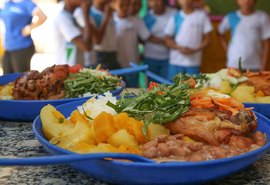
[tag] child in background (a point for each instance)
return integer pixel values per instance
(250, 33)
(104, 35)
(128, 30)
(68, 35)
(135, 7)
(187, 34)
(156, 53)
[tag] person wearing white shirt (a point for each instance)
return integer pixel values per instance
(128, 30)
(187, 33)
(104, 36)
(250, 34)
(68, 35)
(156, 52)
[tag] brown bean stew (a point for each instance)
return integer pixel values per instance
(206, 134)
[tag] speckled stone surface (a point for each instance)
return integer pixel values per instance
(18, 140)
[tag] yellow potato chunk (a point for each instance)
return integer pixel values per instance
(54, 124)
(122, 137)
(103, 127)
(155, 130)
(84, 148)
(225, 87)
(129, 150)
(134, 127)
(244, 93)
(82, 132)
(265, 99)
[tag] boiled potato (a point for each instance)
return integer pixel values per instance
(103, 127)
(122, 137)
(81, 148)
(155, 130)
(54, 124)
(265, 99)
(84, 148)
(77, 116)
(82, 132)
(244, 93)
(225, 87)
(129, 150)
(134, 127)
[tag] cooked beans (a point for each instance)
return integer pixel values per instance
(175, 147)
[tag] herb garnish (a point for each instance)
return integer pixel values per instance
(83, 82)
(155, 107)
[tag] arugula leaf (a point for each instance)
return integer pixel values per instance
(83, 82)
(155, 107)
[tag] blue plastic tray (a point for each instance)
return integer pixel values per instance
(154, 173)
(28, 110)
(262, 108)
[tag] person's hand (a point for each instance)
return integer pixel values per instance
(26, 31)
(186, 50)
(109, 9)
(85, 4)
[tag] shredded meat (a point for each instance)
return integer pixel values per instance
(211, 126)
(259, 80)
(46, 85)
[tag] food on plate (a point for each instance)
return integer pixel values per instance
(58, 82)
(165, 123)
(6, 91)
(250, 87)
(47, 85)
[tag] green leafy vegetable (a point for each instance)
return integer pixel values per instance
(200, 79)
(160, 105)
(83, 82)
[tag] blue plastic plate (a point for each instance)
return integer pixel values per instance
(262, 108)
(28, 110)
(153, 173)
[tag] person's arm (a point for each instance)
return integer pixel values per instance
(157, 40)
(266, 52)
(265, 37)
(172, 45)
(41, 18)
(100, 32)
(222, 29)
(223, 41)
(84, 42)
(205, 42)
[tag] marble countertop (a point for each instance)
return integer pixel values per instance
(18, 140)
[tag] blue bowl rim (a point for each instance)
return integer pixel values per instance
(260, 150)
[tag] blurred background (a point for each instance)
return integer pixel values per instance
(214, 56)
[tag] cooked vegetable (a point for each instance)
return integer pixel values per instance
(103, 127)
(52, 126)
(155, 130)
(156, 107)
(122, 137)
(87, 80)
(244, 93)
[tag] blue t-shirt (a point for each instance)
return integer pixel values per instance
(16, 15)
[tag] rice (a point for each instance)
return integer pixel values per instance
(95, 105)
